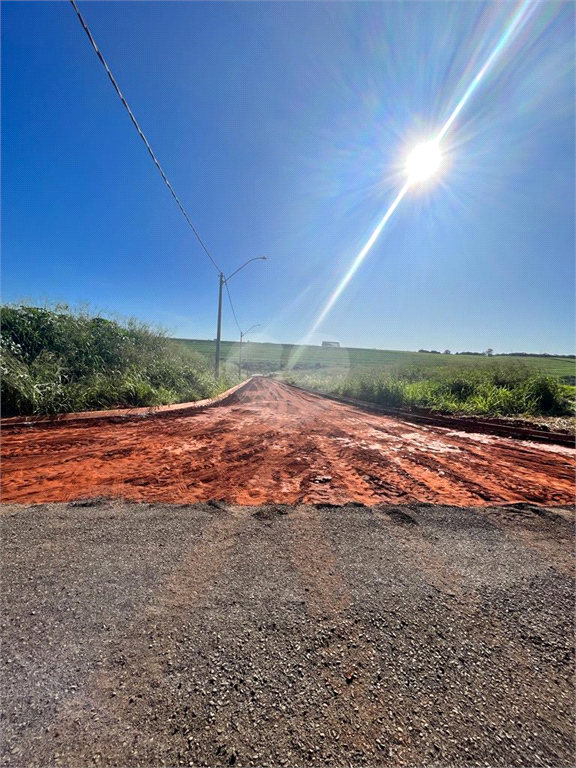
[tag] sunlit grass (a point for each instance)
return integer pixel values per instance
(495, 389)
(268, 357)
(56, 360)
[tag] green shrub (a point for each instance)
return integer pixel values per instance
(56, 360)
(389, 392)
(498, 389)
(544, 395)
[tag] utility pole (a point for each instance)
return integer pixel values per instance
(223, 280)
(240, 359)
(241, 337)
(219, 326)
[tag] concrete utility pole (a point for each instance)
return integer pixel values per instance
(219, 326)
(223, 281)
(241, 337)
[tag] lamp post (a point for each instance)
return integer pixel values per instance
(223, 281)
(241, 337)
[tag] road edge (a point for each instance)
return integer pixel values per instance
(471, 424)
(120, 413)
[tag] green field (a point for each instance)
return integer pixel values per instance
(498, 385)
(54, 359)
(265, 358)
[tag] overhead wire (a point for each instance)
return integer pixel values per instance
(141, 134)
(232, 308)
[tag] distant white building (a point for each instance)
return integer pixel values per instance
(330, 343)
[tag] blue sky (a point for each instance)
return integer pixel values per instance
(284, 128)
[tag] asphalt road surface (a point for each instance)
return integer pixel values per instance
(271, 443)
(140, 634)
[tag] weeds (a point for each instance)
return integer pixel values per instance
(56, 360)
(498, 389)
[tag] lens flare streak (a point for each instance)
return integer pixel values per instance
(518, 20)
(360, 258)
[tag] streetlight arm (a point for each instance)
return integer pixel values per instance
(223, 281)
(256, 258)
(248, 331)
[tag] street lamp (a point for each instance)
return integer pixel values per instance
(224, 280)
(241, 337)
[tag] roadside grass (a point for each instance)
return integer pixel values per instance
(494, 389)
(55, 359)
(497, 385)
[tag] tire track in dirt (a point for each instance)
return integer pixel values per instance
(270, 443)
(323, 483)
(356, 482)
(463, 489)
(389, 480)
(521, 470)
(453, 464)
(382, 477)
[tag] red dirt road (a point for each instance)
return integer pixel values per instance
(272, 443)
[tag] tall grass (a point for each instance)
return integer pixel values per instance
(56, 359)
(499, 389)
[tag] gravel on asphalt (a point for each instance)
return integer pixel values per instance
(139, 634)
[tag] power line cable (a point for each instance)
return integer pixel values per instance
(232, 308)
(141, 134)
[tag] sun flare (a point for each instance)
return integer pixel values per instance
(423, 161)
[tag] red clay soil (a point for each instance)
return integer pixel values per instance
(271, 443)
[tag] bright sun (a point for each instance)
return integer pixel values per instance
(423, 161)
